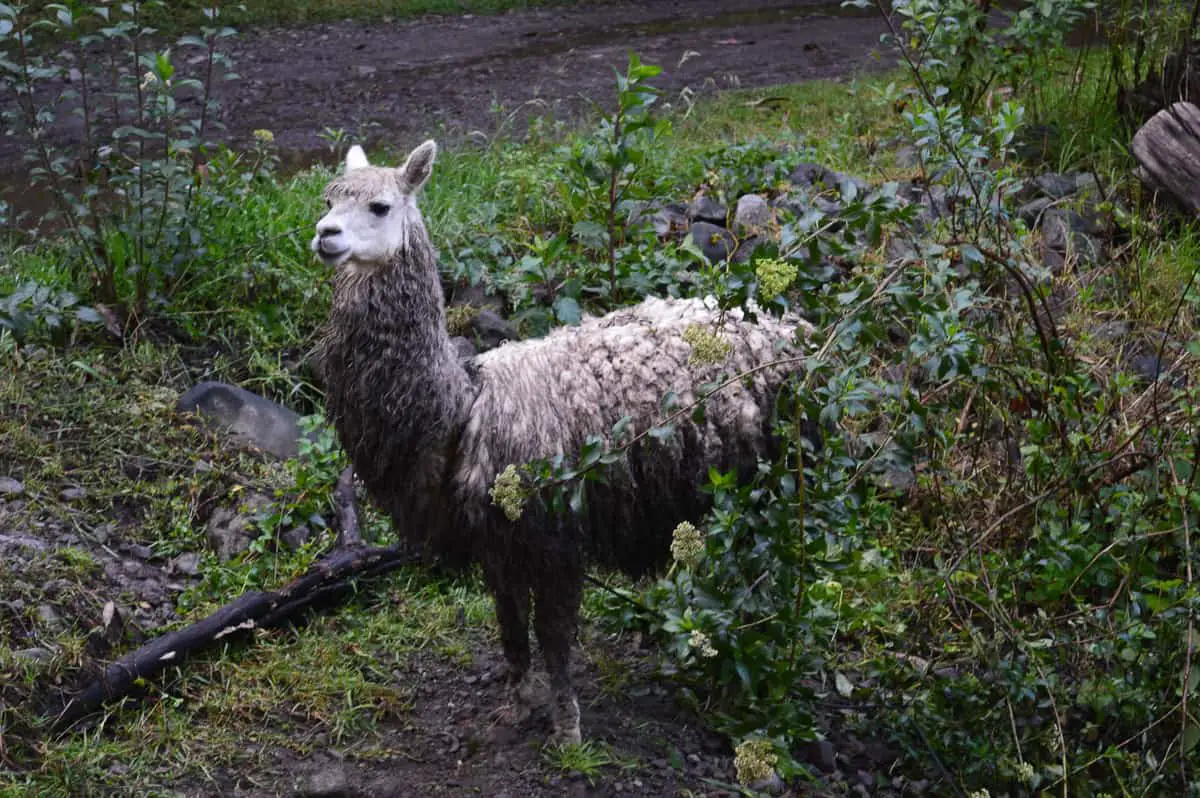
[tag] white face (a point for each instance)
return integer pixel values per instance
(371, 209)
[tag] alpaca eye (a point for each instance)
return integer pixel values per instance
(379, 208)
(328, 205)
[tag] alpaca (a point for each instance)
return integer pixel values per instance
(428, 432)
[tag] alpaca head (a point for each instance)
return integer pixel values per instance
(372, 210)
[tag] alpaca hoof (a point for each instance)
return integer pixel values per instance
(522, 695)
(566, 722)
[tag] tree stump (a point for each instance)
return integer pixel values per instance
(1168, 151)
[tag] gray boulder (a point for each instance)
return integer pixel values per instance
(253, 420)
(1066, 231)
(707, 209)
(715, 242)
(753, 214)
(490, 329)
(814, 175)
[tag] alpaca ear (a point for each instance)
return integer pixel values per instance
(356, 159)
(417, 168)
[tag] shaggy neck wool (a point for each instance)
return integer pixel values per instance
(398, 392)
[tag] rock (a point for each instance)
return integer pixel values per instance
(753, 214)
(822, 754)
(491, 329)
(715, 242)
(72, 494)
(296, 537)
(898, 249)
(1087, 186)
(21, 542)
(1149, 368)
(48, 616)
(706, 209)
(253, 420)
(814, 175)
(141, 551)
(670, 221)
(230, 530)
(328, 782)
(1054, 185)
(746, 247)
(10, 487)
(1065, 230)
(187, 563)
(365, 71)
(476, 296)
(36, 654)
(1032, 211)
(829, 207)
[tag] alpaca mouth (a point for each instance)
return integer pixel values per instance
(332, 256)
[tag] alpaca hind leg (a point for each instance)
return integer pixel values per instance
(555, 618)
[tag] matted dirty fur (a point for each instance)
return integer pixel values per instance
(428, 433)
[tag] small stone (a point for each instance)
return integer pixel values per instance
(72, 494)
(1031, 211)
(753, 214)
(670, 221)
(48, 616)
(36, 654)
(822, 754)
(491, 329)
(746, 248)
(329, 782)
(1055, 186)
(230, 530)
(202, 467)
(10, 487)
(297, 537)
(187, 563)
(141, 551)
(707, 209)
(366, 71)
(715, 242)
(1086, 185)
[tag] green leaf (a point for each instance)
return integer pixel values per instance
(567, 310)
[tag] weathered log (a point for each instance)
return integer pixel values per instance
(329, 576)
(1168, 150)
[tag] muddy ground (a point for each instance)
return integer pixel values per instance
(398, 81)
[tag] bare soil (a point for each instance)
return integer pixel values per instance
(420, 78)
(393, 82)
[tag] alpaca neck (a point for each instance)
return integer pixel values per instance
(396, 389)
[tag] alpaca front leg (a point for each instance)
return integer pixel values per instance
(512, 613)
(556, 610)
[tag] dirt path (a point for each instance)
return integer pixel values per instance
(413, 78)
(394, 82)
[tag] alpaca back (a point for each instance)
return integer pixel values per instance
(540, 398)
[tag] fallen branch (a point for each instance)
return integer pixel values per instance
(328, 577)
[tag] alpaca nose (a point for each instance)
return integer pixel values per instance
(328, 230)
